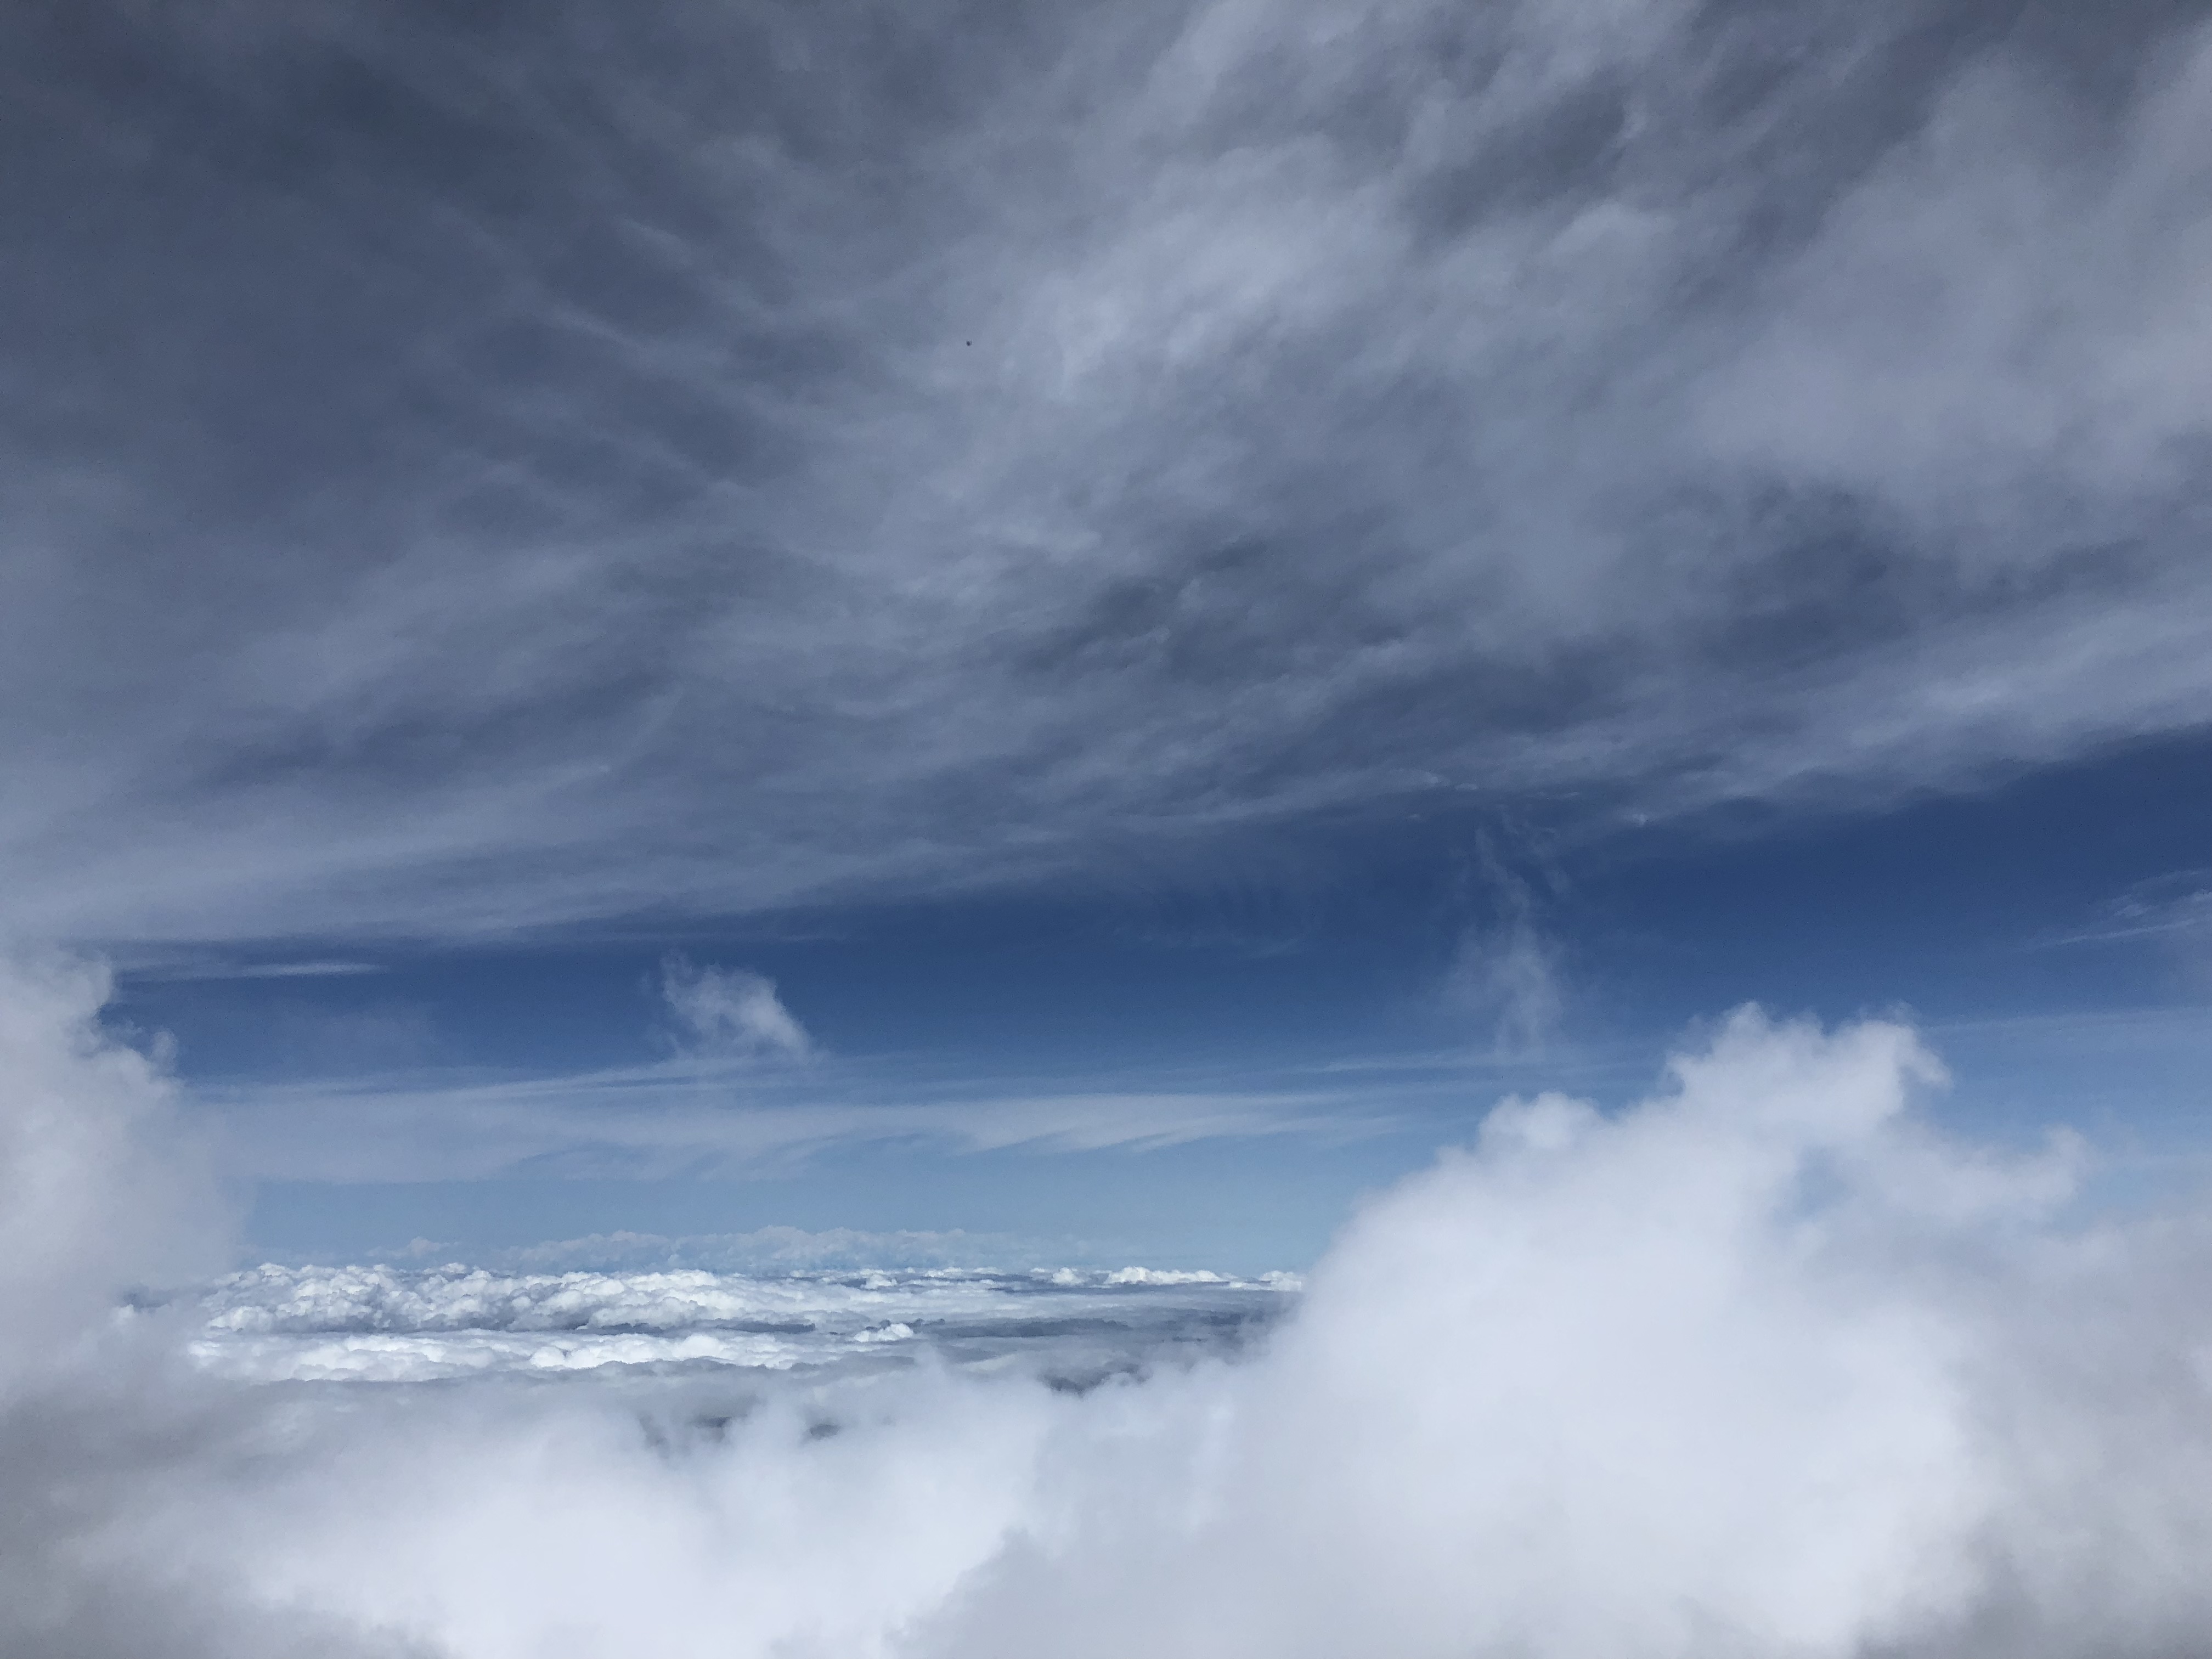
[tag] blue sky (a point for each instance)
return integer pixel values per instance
(1204, 592)
(1314, 1035)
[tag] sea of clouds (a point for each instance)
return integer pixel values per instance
(1761, 1366)
(392, 1324)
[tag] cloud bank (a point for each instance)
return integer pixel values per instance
(478, 471)
(388, 1324)
(1761, 1366)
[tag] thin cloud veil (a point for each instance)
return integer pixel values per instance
(758, 456)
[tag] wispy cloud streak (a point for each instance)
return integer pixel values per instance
(675, 1119)
(467, 474)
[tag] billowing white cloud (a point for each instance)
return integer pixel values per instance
(1761, 1365)
(101, 1187)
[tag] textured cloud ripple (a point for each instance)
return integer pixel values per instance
(473, 468)
(1760, 1366)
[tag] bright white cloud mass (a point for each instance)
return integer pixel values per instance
(1762, 1365)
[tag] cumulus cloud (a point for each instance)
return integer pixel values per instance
(101, 1190)
(1762, 1365)
(389, 1324)
(731, 1013)
(468, 473)
(104, 1197)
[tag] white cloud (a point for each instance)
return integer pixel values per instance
(1508, 971)
(1760, 1365)
(679, 1118)
(101, 1187)
(731, 1013)
(1509, 977)
(382, 1323)
(1998, 323)
(2176, 905)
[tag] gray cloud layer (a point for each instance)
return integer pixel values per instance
(470, 469)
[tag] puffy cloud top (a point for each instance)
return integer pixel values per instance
(1761, 1365)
